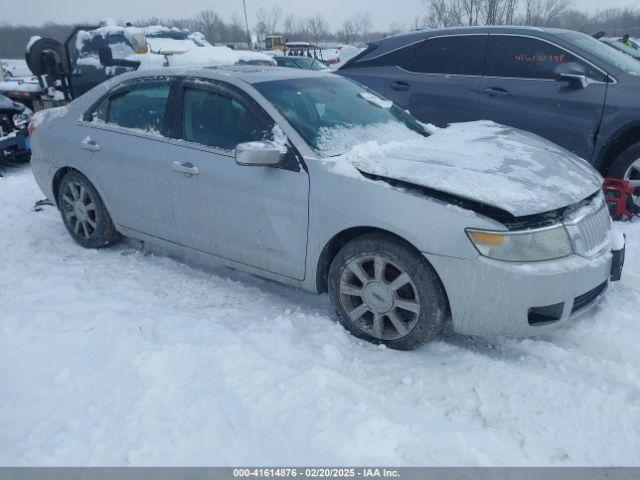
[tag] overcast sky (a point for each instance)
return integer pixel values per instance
(384, 12)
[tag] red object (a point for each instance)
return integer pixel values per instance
(618, 194)
(31, 128)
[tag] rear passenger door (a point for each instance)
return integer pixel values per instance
(520, 89)
(124, 151)
(439, 80)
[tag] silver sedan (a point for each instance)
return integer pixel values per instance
(316, 182)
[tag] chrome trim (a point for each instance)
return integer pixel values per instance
(391, 51)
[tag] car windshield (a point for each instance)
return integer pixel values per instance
(311, 64)
(623, 48)
(603, 52)
(333, 114)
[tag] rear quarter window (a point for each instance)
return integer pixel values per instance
(141, 107)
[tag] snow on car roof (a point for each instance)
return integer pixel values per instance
(259, 74)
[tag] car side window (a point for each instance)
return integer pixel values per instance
(524, 57)
(140, 108)
(217, 120)
(288, 63)
(456, 55)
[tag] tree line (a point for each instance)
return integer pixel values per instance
(358, 29)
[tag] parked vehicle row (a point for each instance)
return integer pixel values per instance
(312, 180)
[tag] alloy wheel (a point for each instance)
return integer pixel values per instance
(632, 175)
(379, 298)
(79, 210)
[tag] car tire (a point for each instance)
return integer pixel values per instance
(621, 165)
(84, 213)
(384, 291)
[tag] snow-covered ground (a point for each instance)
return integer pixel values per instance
(115, 357)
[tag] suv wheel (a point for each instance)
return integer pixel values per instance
(627, 166)
(84, 214)
(386, 292)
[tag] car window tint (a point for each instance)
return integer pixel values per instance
(523, 57)
(217, 120)
(461, 55)
(285, 62)
(141, 108)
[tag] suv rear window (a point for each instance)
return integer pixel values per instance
(456, 55)
(512, 56)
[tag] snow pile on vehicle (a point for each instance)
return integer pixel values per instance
(166, 47)
(482, 161)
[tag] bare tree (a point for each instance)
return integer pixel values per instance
(363, 24)
(206, 22)
(288, 26)
(544, 12)
(348, 31)
(268, 20)
(317, 27)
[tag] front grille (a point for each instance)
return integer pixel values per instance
(590, 234)
(586, 299)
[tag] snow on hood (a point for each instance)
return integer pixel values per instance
(482, 161)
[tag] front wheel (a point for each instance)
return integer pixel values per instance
(386, 292)
(83, 212)
(627, 166)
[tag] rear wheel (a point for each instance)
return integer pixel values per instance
(386, 292)
(84, 214)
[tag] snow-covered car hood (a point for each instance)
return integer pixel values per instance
(482, 161)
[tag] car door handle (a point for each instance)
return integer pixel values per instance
(186, 168)
(496, 91)
(89, 144)
(399, 86)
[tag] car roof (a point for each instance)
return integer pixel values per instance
(401, 40)
(246, 73)
(475, 29)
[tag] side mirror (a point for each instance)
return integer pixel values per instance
(572, 72)
(106, 59)
(265, 154)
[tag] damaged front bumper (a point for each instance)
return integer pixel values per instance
(491, 297)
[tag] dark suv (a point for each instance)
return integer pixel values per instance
(565, 86)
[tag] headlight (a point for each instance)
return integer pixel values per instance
(524, 246)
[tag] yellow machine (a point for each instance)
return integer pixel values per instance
(273, 42)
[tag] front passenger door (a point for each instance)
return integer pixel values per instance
(520, 89)
(254, 215)
(438, 82)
